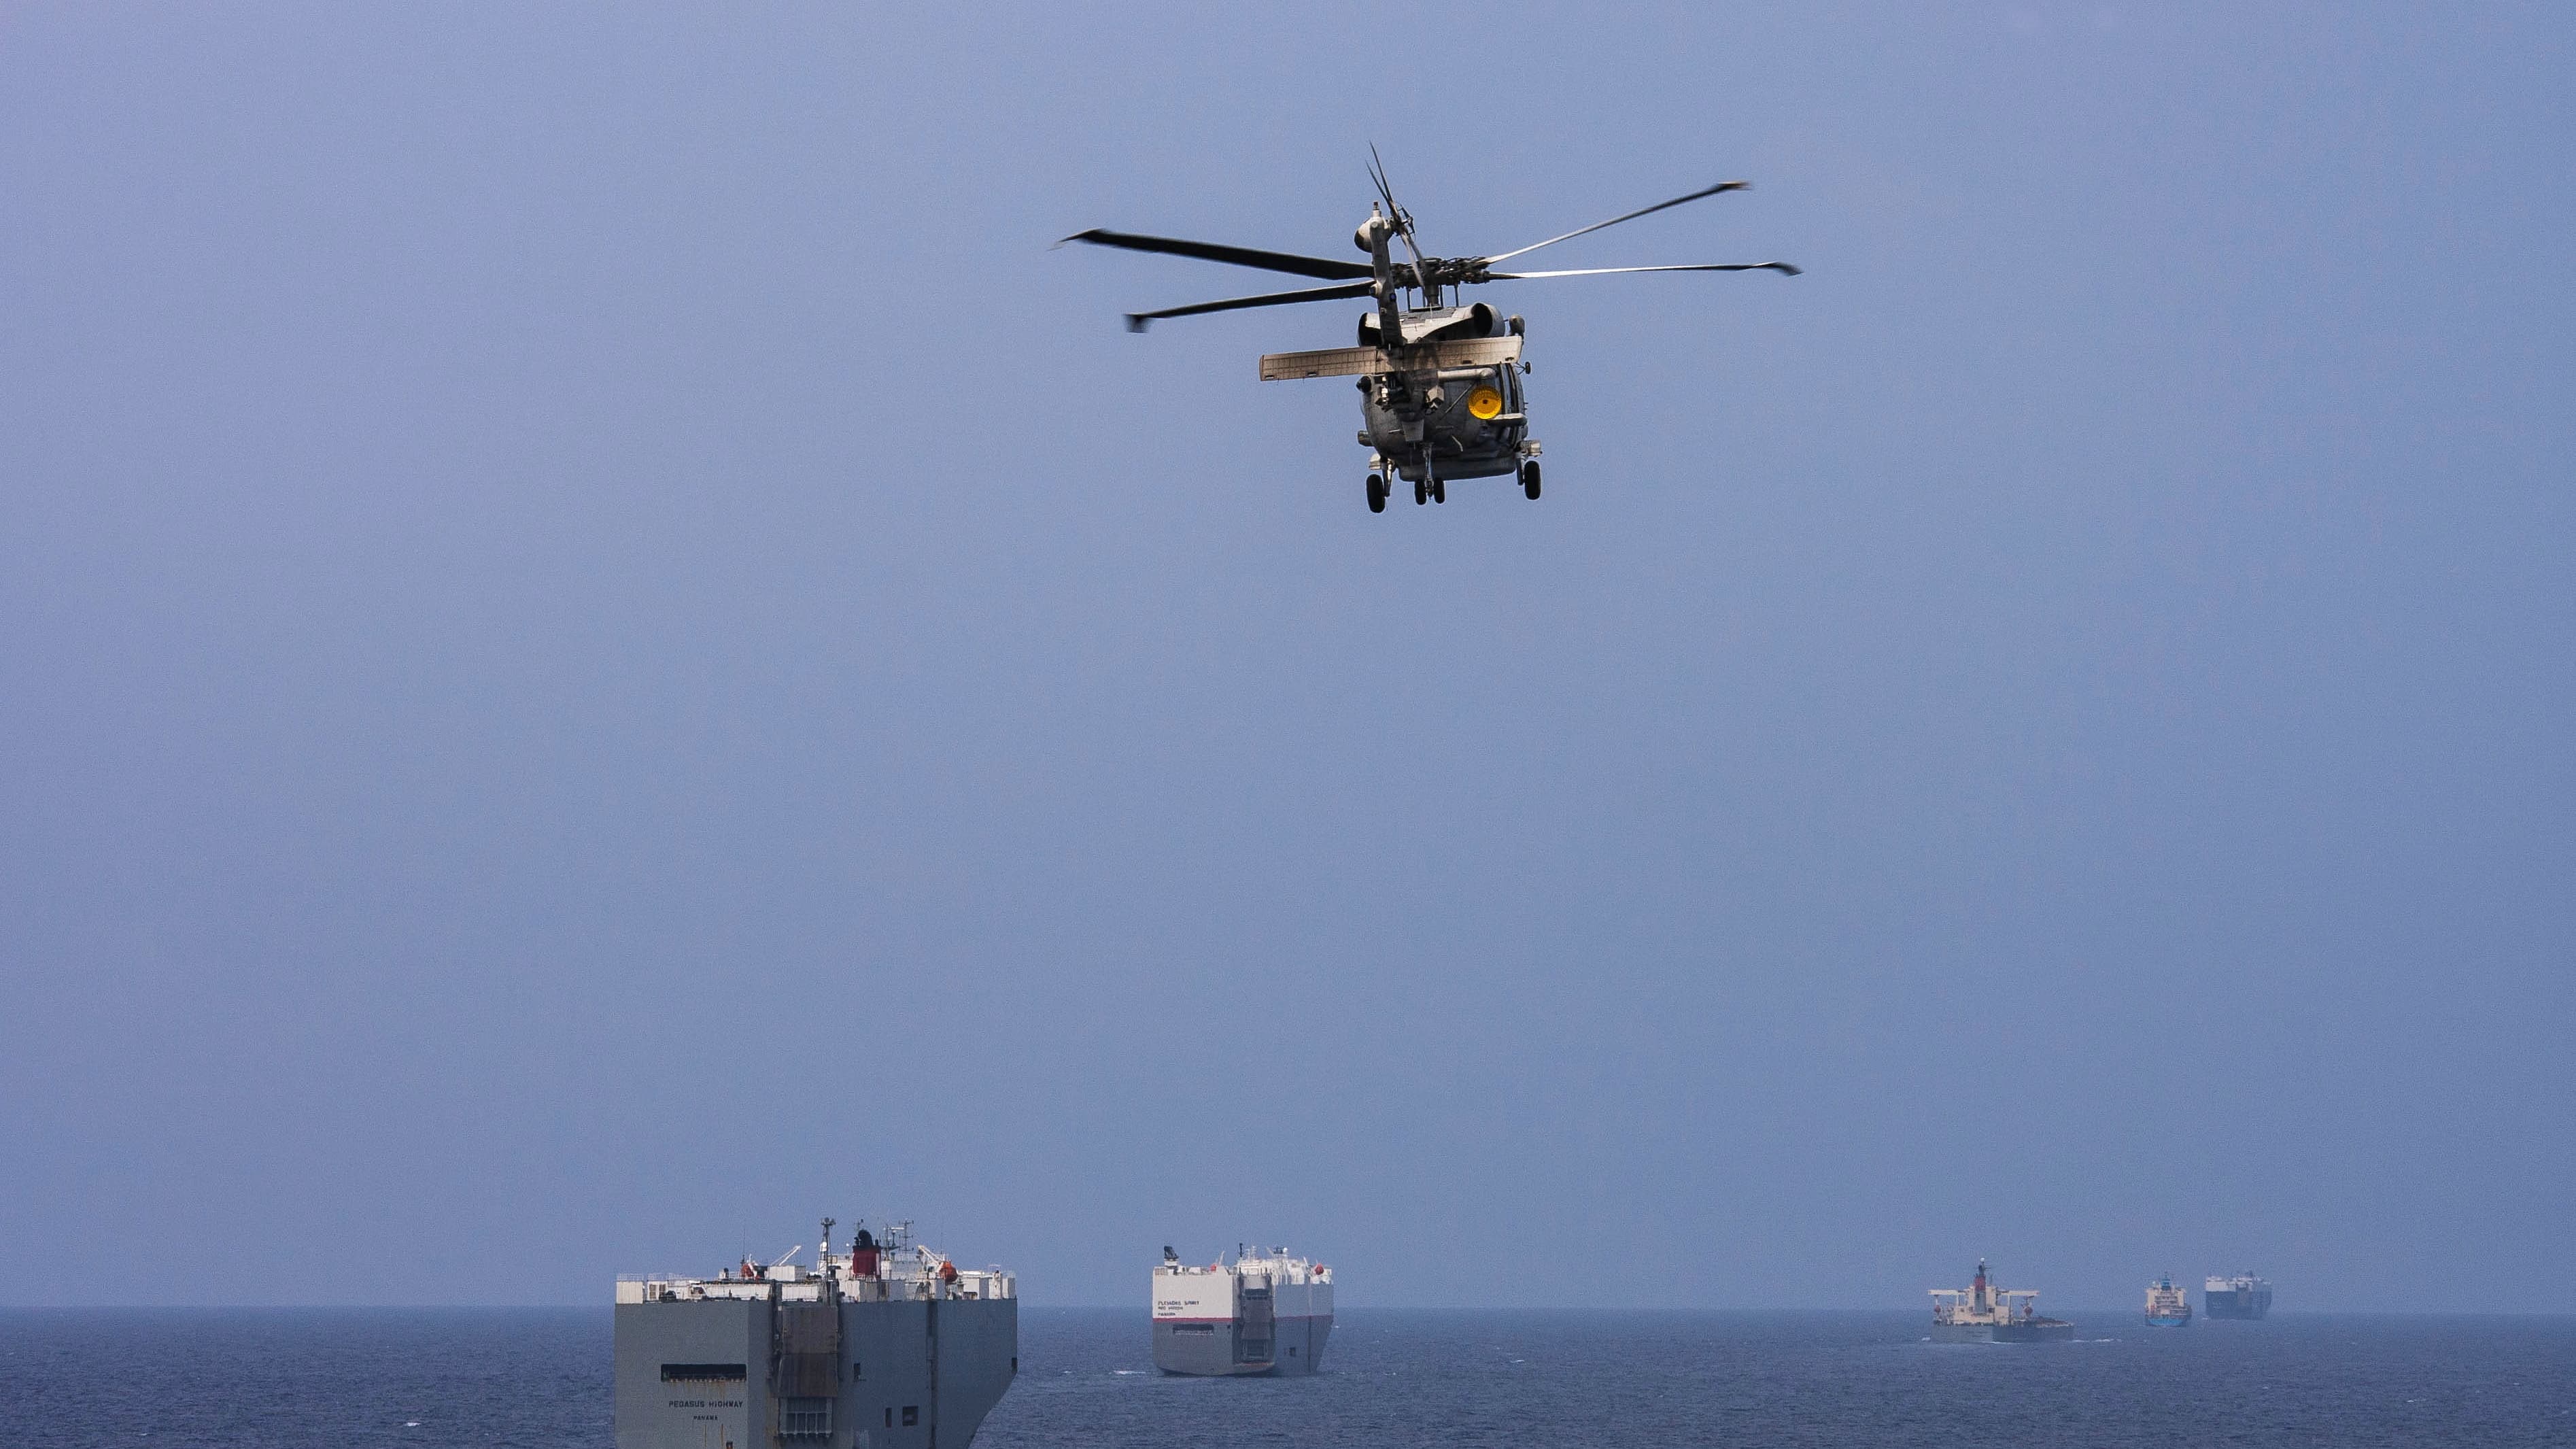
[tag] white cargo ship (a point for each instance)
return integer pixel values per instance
(1985, 1313)
(2239, 1296)
(886, 1346)
(1263, 1313)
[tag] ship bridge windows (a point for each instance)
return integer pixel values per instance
(805, 1419)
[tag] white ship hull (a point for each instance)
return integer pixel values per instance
(902, 1375)
(879, 1349)
(1257, 1316)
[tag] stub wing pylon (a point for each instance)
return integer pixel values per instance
(1369, 361)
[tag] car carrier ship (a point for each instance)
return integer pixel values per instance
(1264, 1313)
(886, 1346)
(2242, 1296)
(1984, 1313)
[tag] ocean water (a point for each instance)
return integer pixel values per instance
(294, 1377)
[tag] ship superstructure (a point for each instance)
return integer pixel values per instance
(2241, 1296)
(2167, 1305)
(1263, 1313)
(886, 1346)
(1983, 1312)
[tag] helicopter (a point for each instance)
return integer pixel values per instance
(1440, 378)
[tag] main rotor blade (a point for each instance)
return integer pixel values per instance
(1614, 221)
(1237, 256)
(1783, 268)
(1136, 321)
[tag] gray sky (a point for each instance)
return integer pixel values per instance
(606, 654)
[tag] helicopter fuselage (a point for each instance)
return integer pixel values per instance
(1441, 422)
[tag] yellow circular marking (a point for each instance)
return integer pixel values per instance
(1484, 402)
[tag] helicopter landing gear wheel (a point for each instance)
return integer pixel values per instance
(1439, 491)
(1376, 494)
(1421, 494)
(1529, 481)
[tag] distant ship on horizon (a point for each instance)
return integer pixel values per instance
(1984, 1313)
(2240, 1296)
(888, 1345)
(1263, 1313)
(2167, 1306)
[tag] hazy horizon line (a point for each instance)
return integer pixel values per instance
(1549, 1310)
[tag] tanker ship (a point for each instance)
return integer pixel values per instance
(886, 1346)
(1984, 1313)
(2167, 1306)
(2243, 1296)
(1264, 1313)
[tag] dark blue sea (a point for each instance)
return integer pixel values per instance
(291, 1377)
